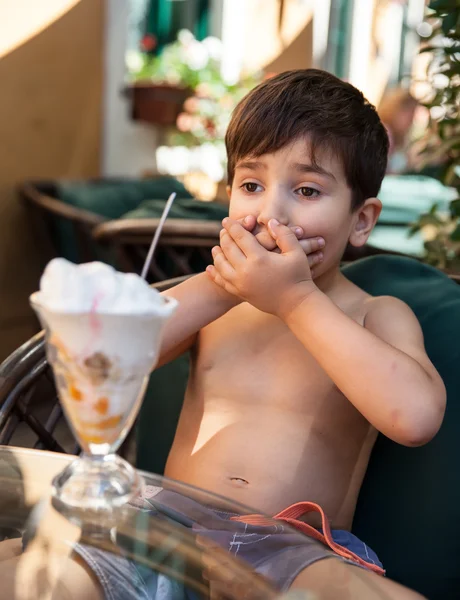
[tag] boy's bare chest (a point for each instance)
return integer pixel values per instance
(255, 355)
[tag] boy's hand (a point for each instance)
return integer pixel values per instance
(273, 283)
(268, 241)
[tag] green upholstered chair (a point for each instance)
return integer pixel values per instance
(409, 507)
(66, 212)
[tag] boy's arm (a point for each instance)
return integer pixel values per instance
(200, 302)
(381, 368)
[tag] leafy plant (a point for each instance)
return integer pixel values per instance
(442, 231)
(197, 65)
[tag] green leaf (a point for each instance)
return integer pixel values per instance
(450, 175)
(429, 219)
(454, 207)
(454, 49)
(449, 22)
(442, 5)
(413, 229)
(455, 235)
(430, 49)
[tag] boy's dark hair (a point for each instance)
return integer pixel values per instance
(310, 103)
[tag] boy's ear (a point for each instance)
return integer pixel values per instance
(228, 189)
(365, 218)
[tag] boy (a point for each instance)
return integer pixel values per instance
(294, 369)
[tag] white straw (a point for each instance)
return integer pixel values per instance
(156, 237)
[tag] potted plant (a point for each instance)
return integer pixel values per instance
(442, 144)
(159, 85)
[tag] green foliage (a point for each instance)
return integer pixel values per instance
(443, 145)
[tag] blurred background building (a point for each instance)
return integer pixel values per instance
(131, 88)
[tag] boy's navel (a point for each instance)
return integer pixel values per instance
(239, 480)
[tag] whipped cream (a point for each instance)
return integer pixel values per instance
(95, 288)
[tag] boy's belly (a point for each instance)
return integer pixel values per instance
(269, 460)
(264, 425)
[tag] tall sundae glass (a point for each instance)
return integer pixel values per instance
(103, 333)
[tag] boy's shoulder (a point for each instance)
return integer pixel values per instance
(390, 318)
(377, 308)
(374, 309)
(380, 306)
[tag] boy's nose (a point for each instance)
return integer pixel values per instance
(273, 208)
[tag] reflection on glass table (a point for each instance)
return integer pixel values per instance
(151, 548)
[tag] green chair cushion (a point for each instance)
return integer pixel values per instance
(183, 208)
(409, 503)
(111, 199)
(114, 198)
(408, 507)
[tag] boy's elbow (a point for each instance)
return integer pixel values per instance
(415, 437)
(421, 428)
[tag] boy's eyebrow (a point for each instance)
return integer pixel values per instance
(308, 168)
(252, 165)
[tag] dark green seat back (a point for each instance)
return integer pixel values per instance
(159, 415)
(410, 500)
(409, 505)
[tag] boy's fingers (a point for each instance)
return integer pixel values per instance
(214, 274)
(223, 267)
(245, 240)
(268, 242)
(265, 239)
(286, 240)
(299, 232)
(315, 258)
(231, 250)
(248, 222)
(312, 245)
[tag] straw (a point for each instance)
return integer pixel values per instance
(157, 235)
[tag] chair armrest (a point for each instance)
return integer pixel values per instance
(188, 228)
(32, 194)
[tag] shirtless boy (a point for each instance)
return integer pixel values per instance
(294, 369)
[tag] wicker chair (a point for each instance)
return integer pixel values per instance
(29, 405)
(29, 402)
(184, 247)
(42, 199)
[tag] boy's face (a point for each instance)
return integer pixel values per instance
(286, 186)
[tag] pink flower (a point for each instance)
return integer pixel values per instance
(192, 105)
(203, 90)
(184, 122)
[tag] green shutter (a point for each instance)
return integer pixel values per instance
(165, 18)
(340, 25)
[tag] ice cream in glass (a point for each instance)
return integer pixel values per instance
(103, 333)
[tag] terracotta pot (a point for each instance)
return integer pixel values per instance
(157, 103)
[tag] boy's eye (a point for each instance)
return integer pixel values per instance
(250, 187)
(308, 192)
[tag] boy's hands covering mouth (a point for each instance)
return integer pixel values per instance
(274, 283)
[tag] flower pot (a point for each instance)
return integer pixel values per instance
(159, 104)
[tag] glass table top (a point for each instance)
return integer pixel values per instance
(153, 546)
